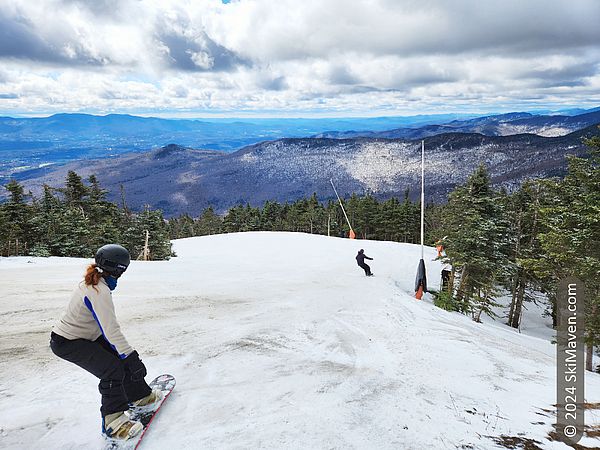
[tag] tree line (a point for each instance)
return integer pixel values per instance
(76, 220)
(391, 220)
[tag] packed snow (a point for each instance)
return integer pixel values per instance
(279, 341)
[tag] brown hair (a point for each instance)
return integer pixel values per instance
(92, 276)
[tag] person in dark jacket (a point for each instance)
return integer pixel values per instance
(360, 259)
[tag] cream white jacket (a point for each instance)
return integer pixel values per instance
(91, 314)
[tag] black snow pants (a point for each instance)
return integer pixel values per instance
(116, 385)
(366, 268)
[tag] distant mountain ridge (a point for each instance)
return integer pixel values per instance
(496, 125)
(31, 143)
(179, 180)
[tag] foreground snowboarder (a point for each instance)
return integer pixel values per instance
(360, 259)
(89, 336)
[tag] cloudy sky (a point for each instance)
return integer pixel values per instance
(198, 58)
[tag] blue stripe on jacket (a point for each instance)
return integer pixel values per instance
(91, 308)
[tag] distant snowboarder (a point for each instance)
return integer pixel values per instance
(360, 259)
(89, 336)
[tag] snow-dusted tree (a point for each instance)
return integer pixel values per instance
(570, 240)
(477, 243)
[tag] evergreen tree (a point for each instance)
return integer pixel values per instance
(73, 237)
(46, 223)
(294, 216)
(15, 218)
(251, 219)
(523, 207)
(76, 225)
(182, 227)
(105, 219)
(366, 216)
(433, 223)
(271, 217)
(152, 224)
(75, 191)
(570, 238)
(389, 220)
(314, 215)
(476, 243)
(84, 221)
(335, 218)
(208, 223)
(409, 220)
(233, 220)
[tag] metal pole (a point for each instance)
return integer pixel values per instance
(421, 280)
(340, 200)
(422, 195)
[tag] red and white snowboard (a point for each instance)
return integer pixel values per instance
(165, 383)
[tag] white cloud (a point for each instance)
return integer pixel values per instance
(261, 55)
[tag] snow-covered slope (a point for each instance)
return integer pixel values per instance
(279, 341)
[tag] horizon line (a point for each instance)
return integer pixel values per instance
(292, 116)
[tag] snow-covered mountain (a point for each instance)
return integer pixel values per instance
(27, 143)
(278, 341)
(494, 125)
(182, 180)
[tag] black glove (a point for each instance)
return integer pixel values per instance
(135, 366)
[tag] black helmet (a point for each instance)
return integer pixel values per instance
(113, 259)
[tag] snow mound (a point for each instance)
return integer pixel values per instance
(279, 341)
